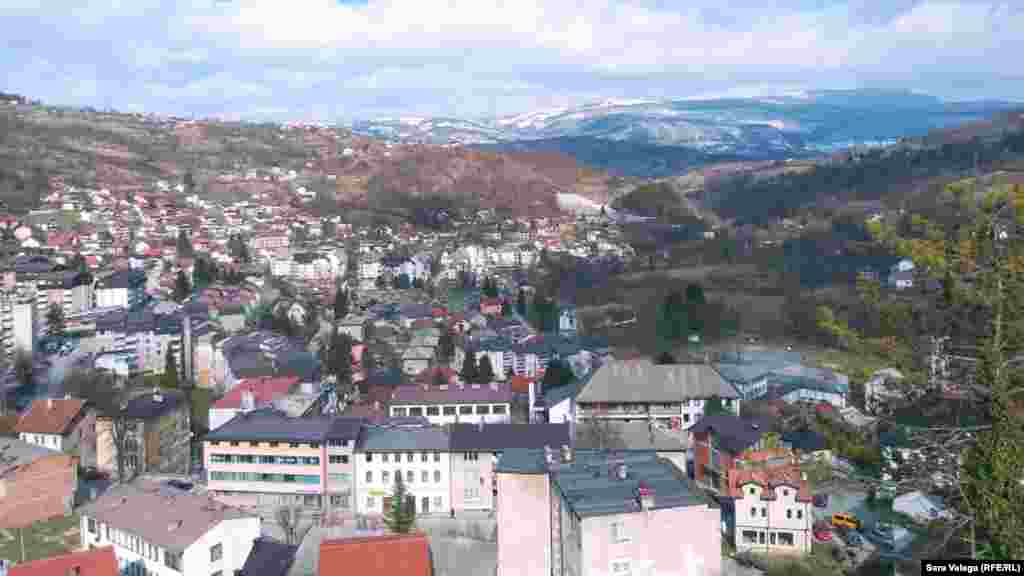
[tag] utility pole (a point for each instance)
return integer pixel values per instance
(21, 539)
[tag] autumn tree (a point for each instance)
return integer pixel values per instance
(55, 321)
(109, 396)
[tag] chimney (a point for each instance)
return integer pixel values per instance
(566, 453)
(621, 472)
(75, 571)
(646, 497)
(49, 403)
(248, 399)
(157, 396)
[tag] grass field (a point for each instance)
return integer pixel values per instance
(42, 539)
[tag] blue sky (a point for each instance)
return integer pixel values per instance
(325, 60)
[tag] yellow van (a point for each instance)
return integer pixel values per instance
(843, 520)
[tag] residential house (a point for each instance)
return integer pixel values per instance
(718, 441)
(159, 530)
(773, 510)
(418, 451)
(268, 557)
(579, 512)
(158, 438)
(36, 483)
(62, 424)
(634, 436)
(881, 388)
(124, 288)
(94, 562)
(640, 390)
(796, 389)
(475, 449)
(567, 319)
(249, 394)
(265, 458)
(807, 444)
(354, 326)
(385, 555)
(558, 404)
(447, 404)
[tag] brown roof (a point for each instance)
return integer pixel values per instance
(390, 555)
(769, 477)
(9, 425)
(95, 562)
(50, 416)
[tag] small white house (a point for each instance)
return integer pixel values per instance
(920, 507)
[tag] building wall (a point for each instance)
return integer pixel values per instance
(702, 455)
(671, 541)
(476, 475)
(112, 297)
(219, 416)
(236, 537)
(39, 491)
(524, 525)
(441, 418)
(26, 320)
(561, 412)
(438, 491)
(167, 442)
(257, 449)
(783, 514)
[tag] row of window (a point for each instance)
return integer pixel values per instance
(254, 459)
(464, 410)
(410, 476)
(139, 546)
(770, 538)
(330, 443)
(409, 456)
(371, 503)
(263, 477)
(764, 513)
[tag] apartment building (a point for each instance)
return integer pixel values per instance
(417, 451)
(248, 395)
(124, 288)
(62, 424)
(772, 504)
(582, 513)
(448, 404)
(671, 394)
(36, 483)
(158, 435)
(160, 531)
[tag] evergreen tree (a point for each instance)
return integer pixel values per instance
(170, 376)
(556, 374)
(665, 358)
(339, 359)
(695, 305)
(485, 372)
(55, 321)
(400, 517)
(469, 369)
(182, 287)
(713, 406)
(340, 304)
(446, 346)
(521, 302)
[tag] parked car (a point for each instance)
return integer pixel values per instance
(179, 484)
(853, 539)
(821, 500)
(823, 535)
(846, 520)
(93, 473)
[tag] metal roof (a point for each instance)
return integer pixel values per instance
(393, 438)
(625, 381)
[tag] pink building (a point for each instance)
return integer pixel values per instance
(590, 513)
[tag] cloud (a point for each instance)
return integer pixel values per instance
(327, 59)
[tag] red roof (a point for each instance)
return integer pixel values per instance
(390, 555)
(264, 391)
(769, 477)
(50, 416)
(521, 384)
(439, 312)
(824, 408)
(427, 376)
(95, 562)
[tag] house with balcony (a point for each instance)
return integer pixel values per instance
(579, 512)
(448, 404)
(671, 394)
(159, 530)
(720, 440)
(772, 506)
(266, 458)
(158, 435)
(62, 424)
(124, 288)
(475, 449)
(418, 451)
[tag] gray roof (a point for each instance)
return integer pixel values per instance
(149, 511)
(271, 425)
(498, 437)
(16, 453)
(643, 381)
(732, 433)
(398, 438)
(269, 558)
(154, 404)
(618, 435)
(589, 484)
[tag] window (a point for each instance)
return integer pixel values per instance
(215, 443)
(621, 568)
(172, 560)
(234, 443)
(472, 456)
(339, 500)
(433, 411)
(752, 491)
(753, 511)
(293, 444)
(437, 456)
(311, 500)
(369, 457)
(789, 514)
(369, 476)
(764, 512)
(771, 538)
(217, 573)
(799, 514)
(416, 411)
(449, 410)
(760, 537)
(384, 457)
(619, 532)
(437, 502)
(437, 476)
(106, 529)
(385, 477)
(785, 492)
(273, 444)
(398, 411)
(424, 476)
(336, 459)
(410, 456)
(245, 459)
(483, 409)
(465, 409)
(92, 525)
(311, 460)
(749, 537)
(786, 539)
(410, 476)
(314, 444)
(424, 457)
(216, 552)
(267, 459)
(369, 502)
(498, 409)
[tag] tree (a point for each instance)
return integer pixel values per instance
(713, 406)
(557, 373)
(695, 304)
(23, 367)
(184, 244)
(290, 519)
(446, 346)
(170, 376)
(672, 319)
(55, 321)
(490, 288)
(77, 263)
(485, 372)
(521, 302)
(381, 282)
(340, 303)
(665, 358)
(109, 396)
(469, 369)
(203, 273)
(182, 287)
(400, 517)
(339, 358)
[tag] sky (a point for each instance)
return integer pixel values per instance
(327, 61)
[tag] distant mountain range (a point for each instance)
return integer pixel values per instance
(665, 137)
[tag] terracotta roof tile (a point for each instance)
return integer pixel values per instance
(769, 477)
(50, 415)
(95, 562)
(391, 555)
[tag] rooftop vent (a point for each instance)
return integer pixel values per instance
(49, 403)
(755, 426)
(157, 396)
(566, 453)
(621, 472)
(549, 455)
(476, 386)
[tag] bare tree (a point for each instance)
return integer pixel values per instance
(109, 397)
(599, 433)
(291, 521)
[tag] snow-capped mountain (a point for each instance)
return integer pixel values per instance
(694, 131)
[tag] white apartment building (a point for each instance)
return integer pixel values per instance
(418, 452)
(773, 509)
(448, 404)
(159, 531)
